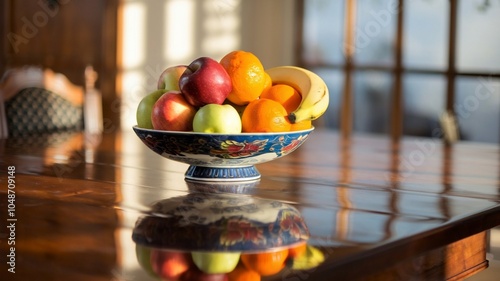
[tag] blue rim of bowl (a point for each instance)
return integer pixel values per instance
(135, 127)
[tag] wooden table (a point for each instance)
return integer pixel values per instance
(378, 209)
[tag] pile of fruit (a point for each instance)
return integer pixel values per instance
(233, 95)
(226, 266)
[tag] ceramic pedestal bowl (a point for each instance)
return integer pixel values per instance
(217, 231)
(220, 222)
(221, 157)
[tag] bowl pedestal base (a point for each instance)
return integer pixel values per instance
(222, 174)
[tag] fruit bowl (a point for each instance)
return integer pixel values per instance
(221, 157)
(211, 233)
(220, 222)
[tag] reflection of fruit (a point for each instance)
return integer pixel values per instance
(265, 115)
(216, 118)
(266, 263)
(315, 96)
(194, 274)
(247, 76)
(169, 78)
(143, 113)
(311, 258)
(205, 81)
(284, 94)
(215, 262)
(241, 273)
(143, 255)
(297, 250)
(168, 264)
(172, 112)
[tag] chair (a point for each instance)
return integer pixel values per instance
(40, 101)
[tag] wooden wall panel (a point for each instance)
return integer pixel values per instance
(66, 38)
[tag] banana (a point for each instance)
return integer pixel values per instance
(315, 96)
(311, 258)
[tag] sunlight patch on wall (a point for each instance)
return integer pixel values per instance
(179, 30)
(133, 90)
(221, 27)
(157, 35)
(133, 35)
(212, 44)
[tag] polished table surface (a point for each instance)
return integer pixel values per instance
(371, 204)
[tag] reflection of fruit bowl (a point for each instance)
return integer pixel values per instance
(246, 187)
(207, 234)
(222, 157)
(220, 222)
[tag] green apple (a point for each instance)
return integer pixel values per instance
(143, 255)
(143, 113)
(216, 262)
(217, 118)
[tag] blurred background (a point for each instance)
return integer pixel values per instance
(392, 66)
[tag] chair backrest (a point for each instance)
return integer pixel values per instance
(35, 111)
(33, 89)
(4, 133)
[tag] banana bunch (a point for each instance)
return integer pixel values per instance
(315, 96)
(310, 259)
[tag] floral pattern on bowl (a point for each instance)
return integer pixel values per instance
(222, 157)
(221, 149)
(220, 222)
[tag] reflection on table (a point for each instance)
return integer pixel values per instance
(406, 209)
(216, 236)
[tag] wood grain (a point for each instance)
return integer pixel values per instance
(376, 210)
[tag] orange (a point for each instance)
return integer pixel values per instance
(267, 263)
(284, 94)
(297, 250)
(265, 115)
(241, 273)
(269, 82)
(302, 125)
(247, 76)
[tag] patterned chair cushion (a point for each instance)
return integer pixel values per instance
(38, 111)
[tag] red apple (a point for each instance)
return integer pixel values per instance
(169, 78)
(170, 265)
(205, 81)
(171, 112)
